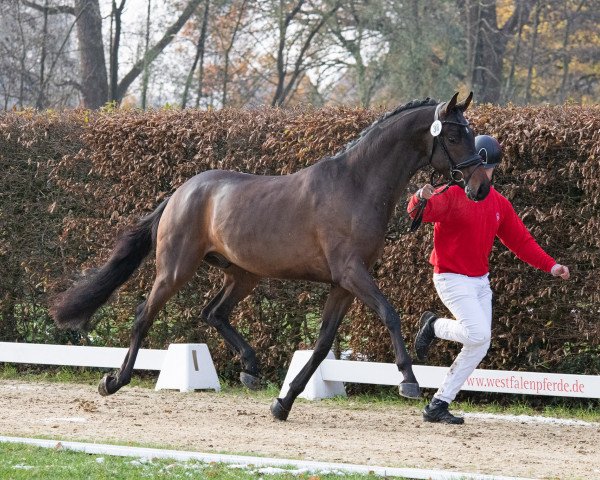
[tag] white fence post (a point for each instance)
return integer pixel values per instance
(316, 387)
(188, 367)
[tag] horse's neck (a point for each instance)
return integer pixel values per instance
(385, 165)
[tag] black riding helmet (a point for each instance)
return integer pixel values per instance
(489, 149)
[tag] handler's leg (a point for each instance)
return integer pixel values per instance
(470, 301)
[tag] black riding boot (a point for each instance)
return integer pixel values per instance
(437, 412)
(425, 336)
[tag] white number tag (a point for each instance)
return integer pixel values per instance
(436, 128)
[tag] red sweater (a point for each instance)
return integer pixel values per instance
(464, 232)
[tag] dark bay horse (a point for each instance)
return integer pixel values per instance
(325, 223)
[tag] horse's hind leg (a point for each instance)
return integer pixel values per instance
(237, 284)
(171, 275)
(337, 305)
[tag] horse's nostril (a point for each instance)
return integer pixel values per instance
(482, 192)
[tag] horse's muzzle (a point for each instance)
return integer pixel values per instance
(477, 194)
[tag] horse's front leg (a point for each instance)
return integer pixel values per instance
(359, 281)
(338, 303)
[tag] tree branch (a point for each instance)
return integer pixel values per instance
(518, 17)
(155, 51)
(49, 10)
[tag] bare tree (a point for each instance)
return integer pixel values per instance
(115, 42)
(94, 85)
(146, 72)
(307, 26)
(532, 51)
(229, 45)
(33, 67)
(198, 60)
(351, 26)
(487, 41)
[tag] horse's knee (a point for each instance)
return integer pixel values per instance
(139, 309)
(391, 319)
(211, 318)
(142, 320)
(320, 352)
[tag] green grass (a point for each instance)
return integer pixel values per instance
(79, 375)
(27, 462)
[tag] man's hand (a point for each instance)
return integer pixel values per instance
(425, 192)
(561, 271)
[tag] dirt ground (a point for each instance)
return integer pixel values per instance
(324, 431)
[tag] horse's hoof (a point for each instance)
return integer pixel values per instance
(250, 381)
(108, 385)
(409, 390)
(278, 410)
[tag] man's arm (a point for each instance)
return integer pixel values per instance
(436, 208)
(513, 233)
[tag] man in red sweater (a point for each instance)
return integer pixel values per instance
(463, 236)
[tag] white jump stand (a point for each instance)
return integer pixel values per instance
(316, 387)
(188, 367)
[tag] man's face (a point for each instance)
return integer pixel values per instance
(490, 172)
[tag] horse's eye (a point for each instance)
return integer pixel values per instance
(452, 139)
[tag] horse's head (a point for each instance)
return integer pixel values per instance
(453, 152)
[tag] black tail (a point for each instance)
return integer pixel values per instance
(75, 307)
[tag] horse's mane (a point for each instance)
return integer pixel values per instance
(401, 108)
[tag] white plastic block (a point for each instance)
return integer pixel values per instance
(187, 367)
(316, 387)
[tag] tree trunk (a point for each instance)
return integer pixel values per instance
(199, 57)
(228, 52)
(146, 72)
(202, 45)
(153, 52)
(115, 43)
(39, 104)
(536, 22)
(566, 56)
(94, 82)
(508, 91)
(489, 47)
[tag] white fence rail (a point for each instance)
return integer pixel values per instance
(189, 367)
(78, 356)
(182, 367)
(329, 377)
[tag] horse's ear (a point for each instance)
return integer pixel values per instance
(450, 105)
(465, 103)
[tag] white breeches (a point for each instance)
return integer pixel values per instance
(469, 299)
